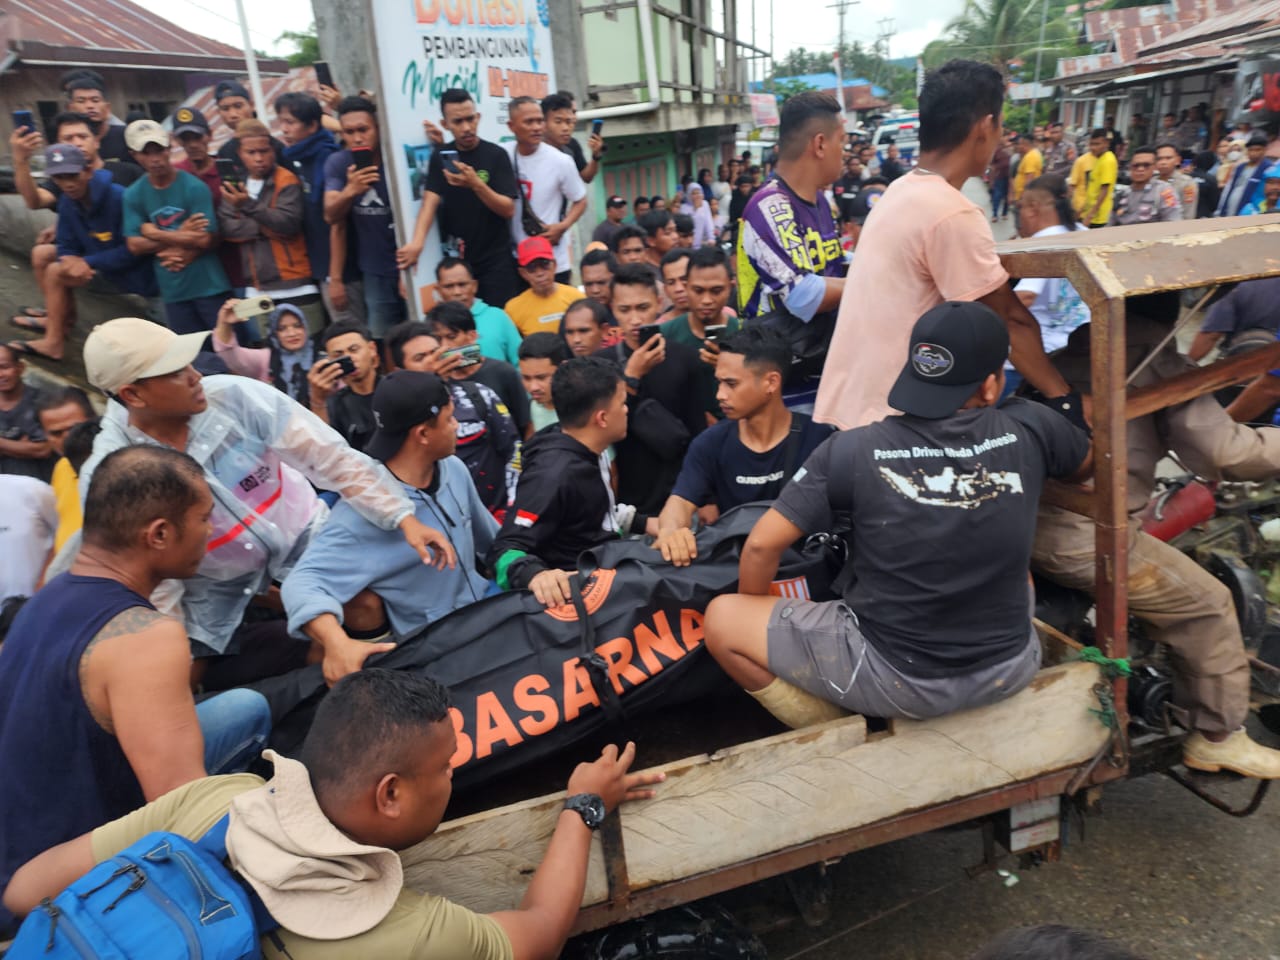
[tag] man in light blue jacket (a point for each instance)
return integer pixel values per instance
(351, 557)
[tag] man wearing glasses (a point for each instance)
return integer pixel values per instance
(1149, 199)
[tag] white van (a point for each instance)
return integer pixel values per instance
(903, 131)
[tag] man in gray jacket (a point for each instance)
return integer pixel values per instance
(353, 570)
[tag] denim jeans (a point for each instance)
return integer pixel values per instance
(235, 725)
(383, 304)
(999, 196)
(192, 316)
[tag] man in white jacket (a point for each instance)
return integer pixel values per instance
(258, 448)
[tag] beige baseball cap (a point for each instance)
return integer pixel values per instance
(142, 132)
(129, 349)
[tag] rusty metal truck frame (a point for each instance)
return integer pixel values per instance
(1104, 267)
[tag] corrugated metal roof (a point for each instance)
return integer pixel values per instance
(1156, 43)
(1242, 18)
(107, 25)
(822, 81)
(1101, 25)
(1071, 67)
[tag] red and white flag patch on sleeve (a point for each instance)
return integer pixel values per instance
(525, 519)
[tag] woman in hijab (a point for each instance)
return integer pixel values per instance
(285, 360)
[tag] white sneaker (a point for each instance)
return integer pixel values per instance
(1238, 754)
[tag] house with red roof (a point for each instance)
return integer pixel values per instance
(149, 64)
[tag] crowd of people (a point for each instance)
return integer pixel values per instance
(1112, 181)
(291, 469)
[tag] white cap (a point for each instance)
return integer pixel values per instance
(130, 349)
(142, 132)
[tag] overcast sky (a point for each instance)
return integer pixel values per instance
(807, 23)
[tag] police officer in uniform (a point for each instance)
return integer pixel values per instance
(1168, 161)
(1149, 199)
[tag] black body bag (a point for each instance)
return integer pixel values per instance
(528, 682)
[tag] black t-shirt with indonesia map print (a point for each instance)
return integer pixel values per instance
(944, 512)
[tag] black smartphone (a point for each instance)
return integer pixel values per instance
(715, 332)
(24, 119)
(363, 157)
(597, 126)
(345, 364)
(229, 171)
(648, 332)
(324, 76)
(447, 157)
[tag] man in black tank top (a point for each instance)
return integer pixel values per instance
(96, 710)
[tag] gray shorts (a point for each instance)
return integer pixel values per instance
(819, 647)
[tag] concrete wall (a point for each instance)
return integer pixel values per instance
(19, 226)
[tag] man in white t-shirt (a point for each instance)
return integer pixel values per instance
(26, 533)
(924, 243)
(552, 195)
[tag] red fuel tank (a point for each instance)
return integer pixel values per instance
(1193, 504)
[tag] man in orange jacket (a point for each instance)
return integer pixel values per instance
(262, 214)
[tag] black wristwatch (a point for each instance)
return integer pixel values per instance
(589, 807)
(631, 383)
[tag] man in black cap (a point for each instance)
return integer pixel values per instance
(234, 104)
(332, 595)
(191, 130)
(615, 209)
(937, 614)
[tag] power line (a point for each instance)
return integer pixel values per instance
(231, 20)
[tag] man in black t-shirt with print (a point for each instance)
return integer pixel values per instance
(751, 454)
(474, 197)
(345, 401)
(943, 498)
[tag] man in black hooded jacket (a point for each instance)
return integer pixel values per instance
(564, 503)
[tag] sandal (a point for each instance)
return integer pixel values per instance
(29, 321)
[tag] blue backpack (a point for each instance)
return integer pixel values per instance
(163, 897)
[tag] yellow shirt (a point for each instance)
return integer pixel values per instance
(1029, 167)
(1104, 172)
(419, 925)
(1079, 181)
(66, 493)
(534, 314)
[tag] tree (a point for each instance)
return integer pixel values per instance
(787, 88)
(307, 43)
(1006, 34)
(855, 61)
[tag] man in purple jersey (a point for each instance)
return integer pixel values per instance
(789, 254)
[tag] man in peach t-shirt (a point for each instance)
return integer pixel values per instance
(926, 243)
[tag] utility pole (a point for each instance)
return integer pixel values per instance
(886, 33)
(1044, 15)
(840, 7)
(251, 62)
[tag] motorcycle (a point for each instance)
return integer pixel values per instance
(1232, 530)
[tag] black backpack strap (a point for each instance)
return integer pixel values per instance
(597, 666)
(791, 454)
(476, 396)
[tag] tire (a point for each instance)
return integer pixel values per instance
(694, 932)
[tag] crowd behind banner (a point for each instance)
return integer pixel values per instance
(290, 470)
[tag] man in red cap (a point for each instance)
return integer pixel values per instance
(544, 303)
